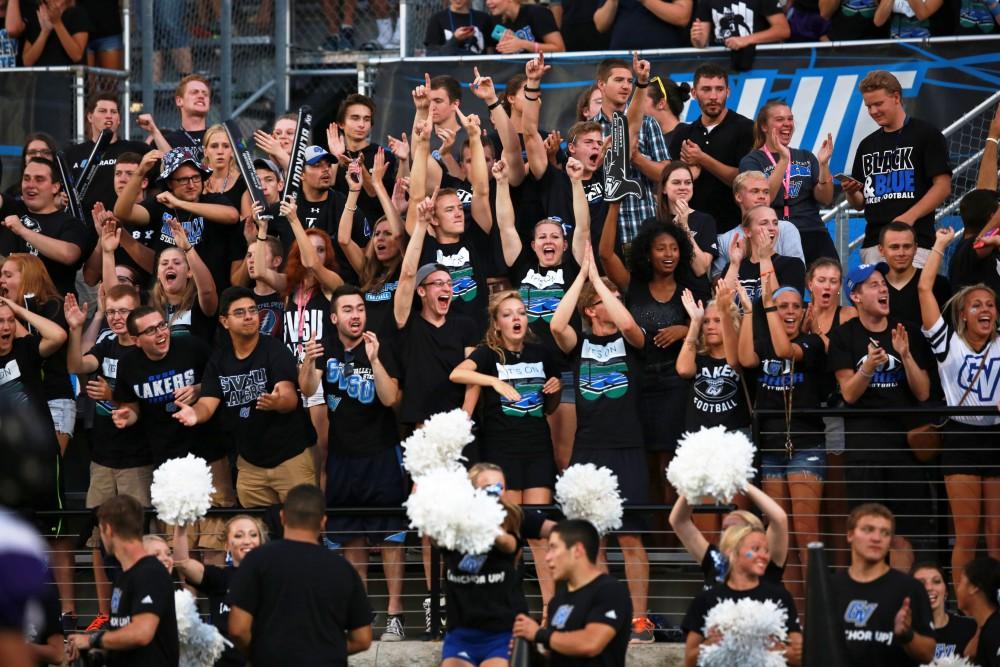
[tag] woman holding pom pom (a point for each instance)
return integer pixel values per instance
(746, 549)
(608, 432)
(791, 375)
(521, 386)
(952, 632)
(243, 534)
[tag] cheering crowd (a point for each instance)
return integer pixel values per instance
(478, 262)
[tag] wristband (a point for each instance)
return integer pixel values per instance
(770, 309)
(543, 637)
(352, 210)
(641, 85)
(867, 375)
(906, 637)
(491, 107)
(531, 99)
(994, 139)
(188, 249)
(529, 89)
(97, 639)
(261, 239)
(937, 251)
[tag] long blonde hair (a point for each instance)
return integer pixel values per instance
(515, 515)
(158, 295)
(493, 338)
(734, 315)
(374, 274)
(233, 167)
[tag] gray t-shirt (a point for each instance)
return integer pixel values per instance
(802, 175)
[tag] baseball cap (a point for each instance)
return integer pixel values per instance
(176, 157)
(861, 273)
(428, 269)
(265, 163)
(316, 153)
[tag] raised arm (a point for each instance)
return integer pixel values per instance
(483, 88)
(222, 214)
(686, 364)
(730, 332)
(421, 148)
(613, 265)
(930, 311)
(276, 280)
(208, 299)
(355, 255)
(55, 249)
(747, 354)
(478, 174)
(777, 523)
(76, 316)
(379, 167)
(538, 160)
(617, 311)
(581, 209)
(126, 208)
(402, 300)
(689, 535)
(562, 331)
(192, 570)
(510, 240)
(987, 178)
(53, 335)
(310, 260)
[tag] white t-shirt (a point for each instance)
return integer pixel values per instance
(958, 365)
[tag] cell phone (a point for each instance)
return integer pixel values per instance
(874, 342)
(980, 242)
(498, 31)
(845, 177)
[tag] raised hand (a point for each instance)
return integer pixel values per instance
(379, 165)
(401, 194)
(288, 209)
(903, 622)
(774, 143)
(179, 234)
(335, 140)
(901, 341)
(574, 169)
(482, 87)
(695, 309)
(552, 143)
(447, 138)
(943, 237)
(354, 175)
(111, 236)
(737, 248)
(421, 94)
(826, 149)
(683, 213)
(471, 123)
(421, 131)
(148, 160)
(312, 350)
(168, 199)
(146, 122)
(267, 143)
(536, 68)
(640, 68)
(399, 147)
(501, 172)
(75, 315)
(371, 345)
(724, 295)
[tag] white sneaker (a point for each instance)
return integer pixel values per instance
(394, 631)
(392, 41)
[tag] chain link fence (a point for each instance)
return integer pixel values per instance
(966, 138)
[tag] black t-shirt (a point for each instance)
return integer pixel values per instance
(151, 384)
(102, 187)
(469, 261)
(55, 375)
(542, 289)
(306, 315)
(515, 427)
(659, 367)
(735, 19)
(556, 192)
(265, 438)
(607, 386)
(215, 584)
(111, 446)
(145, 588)
(484, 592)
(21, 384)
(379, 304)
(191, 322)
(302, 591)
(58, 225)
(75, 20)
(897, 169)
(905, 302)
(181, 137)
(853, 20)
(369, 205)
(953, 638)
(967, 268)
(715, 567)
(532, 23)
(716, 397)
(105, 15)
(604, 600)
(869, 611)
(888, 388)
(360, 425)
(694, 619)
(423, 358)
(325, 215)
(271, 309)
(441, 29)
(727, 142)
(988, 652)
(782, 380)
(635, 27)
(211, 239)
(789, 272)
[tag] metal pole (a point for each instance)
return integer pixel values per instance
(226, 60)
(281, 35)
(126, 110)
(79, 103)
(404, 28)
(148, 91)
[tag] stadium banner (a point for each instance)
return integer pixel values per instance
(29, 103)
(941, 78)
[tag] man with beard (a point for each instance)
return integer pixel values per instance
(362, 466)
(193, 98)
(714, 144)
(253, 379)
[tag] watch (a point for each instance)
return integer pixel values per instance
(97, 639)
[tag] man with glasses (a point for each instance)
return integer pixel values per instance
(203, 216)
(253, 379)
(120, 460)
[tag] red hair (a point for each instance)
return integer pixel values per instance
(295, 272)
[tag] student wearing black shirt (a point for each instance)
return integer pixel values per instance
(676, 188)
(739, 27)
(901, 170)
(886, 614)
(193, 99)
(244, 533)
(293, 600)
(588, 617)
(898, 244)
(56, 35)
(37, 224)
(268, 254)
(253, 380)
(142, 631)
(752, 256)
(715, 142)
(746, 549)
(457, 30)
(952, 632)
(609, 431)
(360, 471)
(527, 28)
(636, 26)
(349, 140)
(970, 265)
(184, 289)
(978, 595)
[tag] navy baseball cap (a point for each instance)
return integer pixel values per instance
(176, 157)
(861, 273)
(316, 153)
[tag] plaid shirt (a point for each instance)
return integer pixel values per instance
(635, 211)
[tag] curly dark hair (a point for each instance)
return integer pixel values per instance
(640, 264)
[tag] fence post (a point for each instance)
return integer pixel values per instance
(148, 91)
(226, 59)
(79, 103)
(404, 28)
(281, 33)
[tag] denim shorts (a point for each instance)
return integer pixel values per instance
(810, 461)
(107, 43)
(63, 411)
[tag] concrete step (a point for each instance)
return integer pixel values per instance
(412, 654)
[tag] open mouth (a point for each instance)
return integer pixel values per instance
(6, 338)
(549, 253)
(517, 328)
(785, 135)
(667, 264)
(884, 301)
(170, 276)
(444, 300)
(162, 340)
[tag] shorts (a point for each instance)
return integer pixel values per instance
(568, 394)
(630, 467)
(871, 255)
(106, 483)
(970, 450)
(475, 646)
(809, 461)
(209, 532)
(263, 487)
(897, 481)
(63, 411)
(536, 471)
(316, 398)
(661, 425)
(365, 481)
(106, 43)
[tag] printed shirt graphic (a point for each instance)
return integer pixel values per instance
(542, 293)
(604, 370)
(736, 18)
(975, 16)
(715, 395)
(463, 282)
(527, 379)
(958, 365)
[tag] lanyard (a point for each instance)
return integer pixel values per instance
(787, 180)
(302, 298)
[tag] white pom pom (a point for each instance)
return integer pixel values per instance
(447, 508)
(951, 661)
(749, 628)
(587, 492)
(712, 462)
(438, 443)
(201, 644)
(182, 490)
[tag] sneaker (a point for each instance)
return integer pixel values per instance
(68, 621)
(331, 43)
(642, 631)
(393, 629)
(97, 623)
